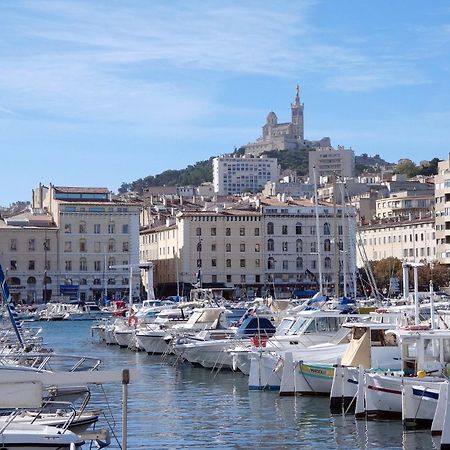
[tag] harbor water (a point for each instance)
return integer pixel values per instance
(173, 405)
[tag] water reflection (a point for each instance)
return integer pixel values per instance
(177, 406)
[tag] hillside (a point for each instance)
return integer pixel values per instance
(201, 171)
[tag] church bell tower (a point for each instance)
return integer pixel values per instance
(297, 117)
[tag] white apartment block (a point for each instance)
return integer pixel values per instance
(328, 162)
(442, 208)
(235, 175)
(409, 240)
(94, 234)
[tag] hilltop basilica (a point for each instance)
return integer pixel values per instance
(284, 136)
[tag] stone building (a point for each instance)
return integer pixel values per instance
(93, 233)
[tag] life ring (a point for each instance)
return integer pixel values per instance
(416, 327)
(132, 321)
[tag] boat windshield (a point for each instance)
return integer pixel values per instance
(284, 326)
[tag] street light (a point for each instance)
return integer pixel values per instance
(199, 262)
(45, 267)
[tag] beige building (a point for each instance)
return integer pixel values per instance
(28, 255)
(410, 240)
(270, 246)
(442, 207)
(94, 234)
(226, 247)
(405, 203)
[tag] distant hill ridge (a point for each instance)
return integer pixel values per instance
(200, 172)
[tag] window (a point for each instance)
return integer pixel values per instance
(68, 246)
(228, 278)
(111, 263)
(326, 229)
(111, 245)
(284, 246)
(214, 262)
(256, 231)
(83, 281)
(199, 246)
(313, 247)
(97, 281)
(46, 244)
(111, 228)
(243, 278)
(82, 245)
(340, 230)
(270, 228)
(213, 247)
(97, 228)
(257, 263)
(228, 263)
(125, 246)
(242, 247)
(213, 231)
(257, 279)
(83, 264)
(31, 245)
(298, 228)
(299, 262)
(97, 266)
(257, 248)
(313, 264)
(68, 266)
(214, 278)
(271, 263)
(228, 247)
(31, 264)
(125, 228)
(82, 227)
(284, 229)
(270, 245)
(111, 281)
(327, 245)
(227, 231)
(312, 230)
(242, 262)
(31, 280)
(242, 231)
(199, 263)
(13, 245)
(198, 231)
(67, 228)
(327, 262)
(285, 264)
(299, 246)
(13, 265)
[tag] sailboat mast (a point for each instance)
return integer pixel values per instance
(316, 202)
(335, 247)
(344, 240)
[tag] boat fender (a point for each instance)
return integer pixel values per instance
(132, 321)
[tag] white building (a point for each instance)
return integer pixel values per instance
(236, 175)
(328, 162)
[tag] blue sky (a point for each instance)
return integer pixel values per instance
(95, 93)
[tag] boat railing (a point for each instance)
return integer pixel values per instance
(51, 361)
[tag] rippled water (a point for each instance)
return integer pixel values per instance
(175, 406)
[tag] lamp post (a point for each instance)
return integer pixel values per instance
(45, 268)
(199, 262)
